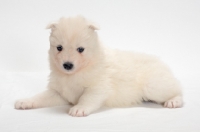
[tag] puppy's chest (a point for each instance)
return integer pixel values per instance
(71, 91)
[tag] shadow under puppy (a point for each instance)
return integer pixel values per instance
(88, 75)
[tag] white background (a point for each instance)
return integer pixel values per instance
(169, 29)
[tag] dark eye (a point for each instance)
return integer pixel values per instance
(59, 48)
(80, 49)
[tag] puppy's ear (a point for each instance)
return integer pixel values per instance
(93, 26)
(52, 25)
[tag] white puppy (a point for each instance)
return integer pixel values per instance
(88, 75)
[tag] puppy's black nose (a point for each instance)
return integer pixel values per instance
(68, 65)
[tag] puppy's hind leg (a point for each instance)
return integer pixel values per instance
(45, 99)
(175, 102)
(164, 91)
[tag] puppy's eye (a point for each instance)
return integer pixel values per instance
(80, 49)
(59, 48)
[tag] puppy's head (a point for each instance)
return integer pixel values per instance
(73, 44)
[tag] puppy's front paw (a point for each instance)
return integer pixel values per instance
(24, 104)
(79, 111)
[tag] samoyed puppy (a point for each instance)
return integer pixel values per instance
(88, 75)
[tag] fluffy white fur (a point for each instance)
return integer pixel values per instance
(100, 76)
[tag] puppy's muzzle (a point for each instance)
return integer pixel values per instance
(68, 65)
